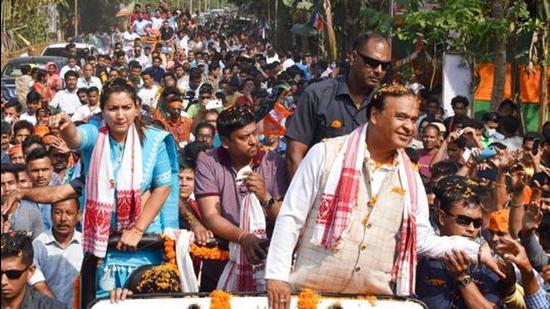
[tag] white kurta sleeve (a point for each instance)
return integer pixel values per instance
(298, 201)
(428, 243)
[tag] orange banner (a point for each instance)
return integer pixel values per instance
(529, 85)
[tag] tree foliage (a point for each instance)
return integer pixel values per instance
(31, 14)
(463, 26)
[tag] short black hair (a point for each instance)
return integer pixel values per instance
(15, 244)
(20, 167)
(37, 154)
(14, 103)
(460, 99)
(93, 89)
(7, 168)
(531, 136)
(195, 74)
(187, 164)
(33, 96)
(22, 124)
(203, 125)
(171, 75)
(509, 124)
(25, 69)
(452, 189)
(234, 118)
(5, 128)
(206, 88)
(443, 168)
(364, 38)
(31, 140)
(490, 116)
(82, 90)
(69, 74)
(191, 151)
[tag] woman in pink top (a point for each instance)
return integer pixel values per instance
(54, 83)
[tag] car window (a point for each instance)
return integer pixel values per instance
(54, 51)
(14, 69)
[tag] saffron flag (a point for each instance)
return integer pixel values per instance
(273, 122)
(127, 10)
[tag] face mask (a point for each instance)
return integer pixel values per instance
(490, 132)
(8, 119)
(288, 100)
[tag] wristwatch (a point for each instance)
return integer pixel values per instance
(464, 280)
(269, 203)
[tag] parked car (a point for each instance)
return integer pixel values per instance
(13, 68)
(59, 50)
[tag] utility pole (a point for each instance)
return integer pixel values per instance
(75, 18)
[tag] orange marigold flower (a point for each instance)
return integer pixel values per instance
(373, 200)
(336, 124)
(398, 190)
(372, 300)
(365, 219)
(307, 299)
(220, 300)
(437, 282)
(205, 253)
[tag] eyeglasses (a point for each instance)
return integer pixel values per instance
(13, 274)
(373, 63)
(466, 221)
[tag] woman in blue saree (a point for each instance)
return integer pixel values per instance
(131, 183)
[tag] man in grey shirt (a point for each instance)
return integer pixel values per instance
(22, 217)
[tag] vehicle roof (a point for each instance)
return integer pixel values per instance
(62, 45)
(37, 58)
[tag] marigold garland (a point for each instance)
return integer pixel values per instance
(170, 250)
(220, 300)
(205, 253)
(162, 278)
(307, 299)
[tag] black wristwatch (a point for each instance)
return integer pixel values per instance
(464, 280)
(269, 203)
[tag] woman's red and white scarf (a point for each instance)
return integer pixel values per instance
(101, 190)
(339, 198)
(239, 275)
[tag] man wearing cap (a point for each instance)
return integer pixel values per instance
(336, 107)
(175, 123)
(500, 239)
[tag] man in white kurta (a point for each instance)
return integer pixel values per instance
(367, 251)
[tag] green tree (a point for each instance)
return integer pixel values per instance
(470, 28)
(31, 15)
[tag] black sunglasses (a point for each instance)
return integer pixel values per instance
(13, 274)
(373, 63)
(466, 221)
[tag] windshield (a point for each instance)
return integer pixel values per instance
(55, 51)
(13, 69)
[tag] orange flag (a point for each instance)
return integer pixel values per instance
(273, 121)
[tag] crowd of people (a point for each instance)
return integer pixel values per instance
(311, 175)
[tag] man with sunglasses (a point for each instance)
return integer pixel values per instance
(453, 282)
(16, 268)
(336, 107)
